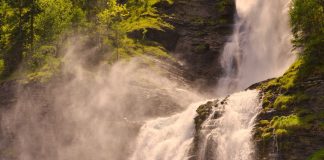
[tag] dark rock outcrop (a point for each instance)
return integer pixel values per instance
(202, 27)
(203, 146)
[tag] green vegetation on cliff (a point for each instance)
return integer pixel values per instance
(308, 70)
(33, 33)
(293, 103)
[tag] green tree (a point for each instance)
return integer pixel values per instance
(307, 20)
(14, 33)
(33, 31)
(118, 20)
(55, 18)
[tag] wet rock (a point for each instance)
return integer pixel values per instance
(203, 112)
(202, 27)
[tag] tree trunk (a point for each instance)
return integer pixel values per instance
(32, 15)
(14, 56)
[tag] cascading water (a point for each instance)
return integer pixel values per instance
(91, 115)
(231, 132)
(259, 49)
(166, 138)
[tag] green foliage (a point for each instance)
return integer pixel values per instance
(56, 17)
(266, 135)
(43, 64)
(39, 57)
(281, 132)
(33, 32)
(120, 19)
(264, 122)
(288, 80)
(283, 100)
(307, 21)
(6, 14)
(305, 120)
(285, 122)
(287, 96)
(46, 71)
(286, 100)
(318, 155)
(14, 17)
(78, 19)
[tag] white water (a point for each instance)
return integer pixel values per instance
(166, 138)
(232, 131)
(259, 49)
(92, 114)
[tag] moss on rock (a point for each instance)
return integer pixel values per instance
(203, 112)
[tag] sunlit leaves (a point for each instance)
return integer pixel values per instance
(307, 20)
(55, 17)
(117, 20)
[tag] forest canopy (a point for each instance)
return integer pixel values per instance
(33, 32)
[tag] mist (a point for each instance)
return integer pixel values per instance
(92, 113)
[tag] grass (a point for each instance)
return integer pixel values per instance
(266, 135)
(281, 132)
(285, 122)
(300, 119)
(318, 155)
(264, 122)
(283, 101)
(287, 81)
(305, 67)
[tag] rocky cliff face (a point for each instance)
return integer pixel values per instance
(201, 29)
(291, 123)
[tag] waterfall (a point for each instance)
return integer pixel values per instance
(106, 112)
(231, 133)
(166, 138)
(170, 138)
(259, 49)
